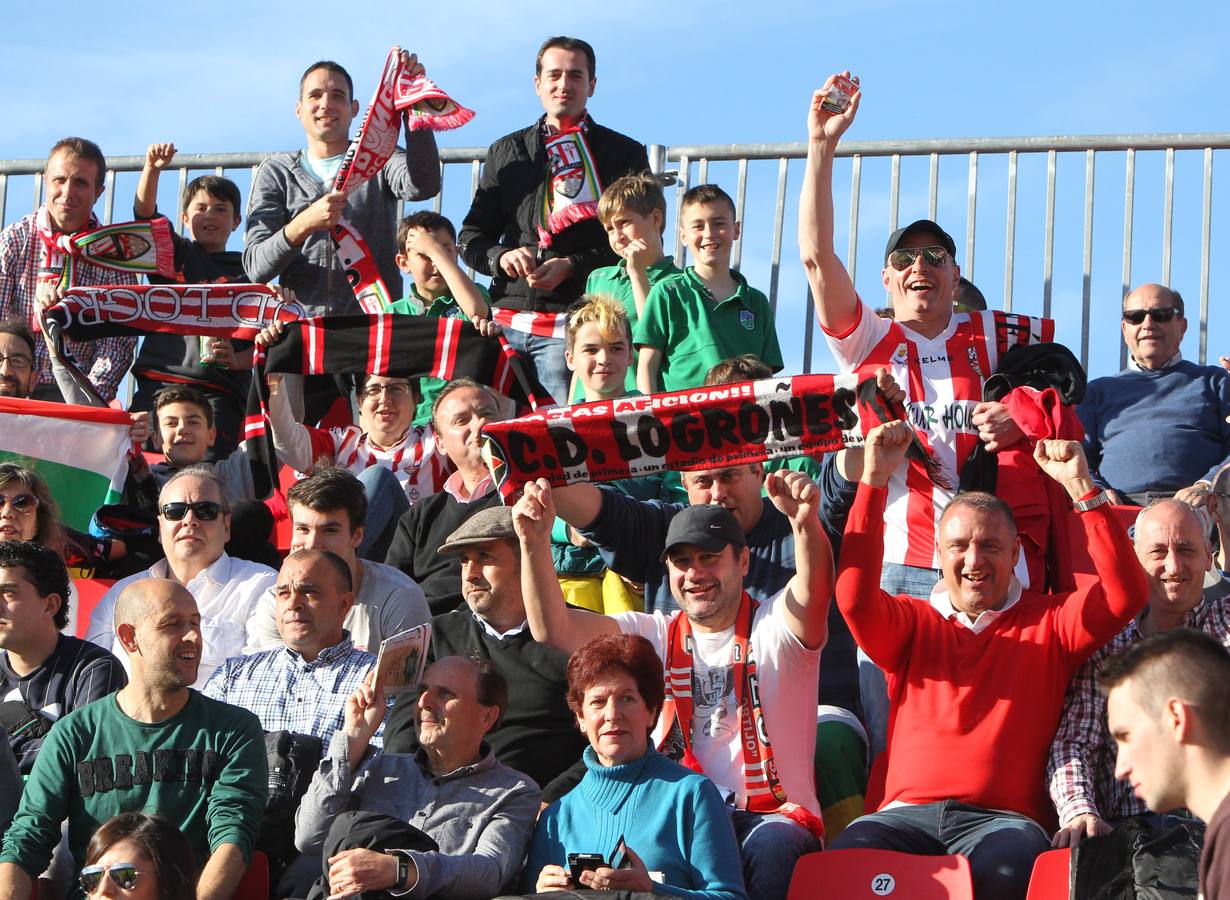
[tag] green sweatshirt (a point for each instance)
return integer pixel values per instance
(204, 769)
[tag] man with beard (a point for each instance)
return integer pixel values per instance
(156, 745)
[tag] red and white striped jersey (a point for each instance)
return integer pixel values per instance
(418, 461)
(942, 377)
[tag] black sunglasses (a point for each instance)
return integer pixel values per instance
(205, 510)
(903, 259)
(1157, 314)
(123, 874)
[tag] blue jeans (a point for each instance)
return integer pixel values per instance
(872, 686)
(770, 845)
(386, 502)
(1001, 847)
(544, 357)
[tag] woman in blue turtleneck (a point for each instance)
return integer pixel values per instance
(672, 820)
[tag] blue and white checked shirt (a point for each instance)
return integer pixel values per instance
(288, 694)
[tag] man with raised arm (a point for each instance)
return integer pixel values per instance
(735, 709)
(939, 356)
(977, 668)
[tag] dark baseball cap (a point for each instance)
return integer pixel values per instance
(709, 527)
(491, 524)
(921, 225)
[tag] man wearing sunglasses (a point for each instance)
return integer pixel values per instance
(154, 745)
(194, 524)
(1158, 428)
(940, 356)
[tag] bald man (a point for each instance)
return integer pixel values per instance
(156, 745)
(1173, 547)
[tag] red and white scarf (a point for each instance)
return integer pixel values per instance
(426, 105)
(143, 247)
(527, 321)
(368, 152)
(698, 428)
(572, 189)
(761, 783)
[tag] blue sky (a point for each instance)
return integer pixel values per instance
(691, 73)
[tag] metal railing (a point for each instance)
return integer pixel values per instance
(1060, 176)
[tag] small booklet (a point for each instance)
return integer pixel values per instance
(402, 659)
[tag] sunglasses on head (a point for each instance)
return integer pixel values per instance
(124, 875)
(903, 259)
(1157, 314)
(22, 504)
(205, 510)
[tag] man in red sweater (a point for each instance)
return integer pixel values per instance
(977, 672)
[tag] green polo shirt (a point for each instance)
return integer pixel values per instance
(695, 333)
(613, 281)
(444, 307)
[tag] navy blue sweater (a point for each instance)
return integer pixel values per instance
(1159, 429)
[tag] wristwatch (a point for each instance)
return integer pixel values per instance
(1099, 499)
(403, 872)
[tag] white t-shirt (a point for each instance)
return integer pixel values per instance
(942, 377)
(226, 593)
(789, 677)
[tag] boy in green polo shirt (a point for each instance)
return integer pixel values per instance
(633, 212)
(708, 313)
(438, 287)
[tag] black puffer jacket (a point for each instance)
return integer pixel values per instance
(504, 211)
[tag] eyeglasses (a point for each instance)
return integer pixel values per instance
(397, 390)
(1158, 314)
(205, 510)
(123, 875)
(22, 504)
(18, 362)
(903, 259)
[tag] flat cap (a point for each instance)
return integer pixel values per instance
(492, 524)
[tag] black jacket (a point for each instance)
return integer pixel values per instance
(504, 211)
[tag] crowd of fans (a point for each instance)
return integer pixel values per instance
(675, 683)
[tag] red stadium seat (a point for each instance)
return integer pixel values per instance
(858, 874)
(1050, 878)
(255, 882)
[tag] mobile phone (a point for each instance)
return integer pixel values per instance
(619, 856)
(584, 862)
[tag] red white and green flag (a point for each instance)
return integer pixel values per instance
(81, 451)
